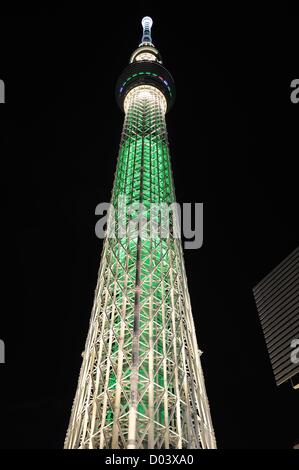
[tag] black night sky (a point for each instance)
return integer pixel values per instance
(234, 143)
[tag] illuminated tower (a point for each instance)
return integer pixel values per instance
(141, 383)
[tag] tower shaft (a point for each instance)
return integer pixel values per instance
(141, 383)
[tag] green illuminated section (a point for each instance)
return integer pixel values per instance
(143, 175)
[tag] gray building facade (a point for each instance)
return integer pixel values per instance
(277, 300)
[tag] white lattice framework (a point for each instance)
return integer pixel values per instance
(141, 383)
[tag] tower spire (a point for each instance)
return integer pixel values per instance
(147, 24)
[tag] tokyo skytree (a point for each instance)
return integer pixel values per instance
(141, 384)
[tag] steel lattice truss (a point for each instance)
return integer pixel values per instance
(141, 383)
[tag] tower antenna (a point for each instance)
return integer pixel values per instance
(147, 24)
